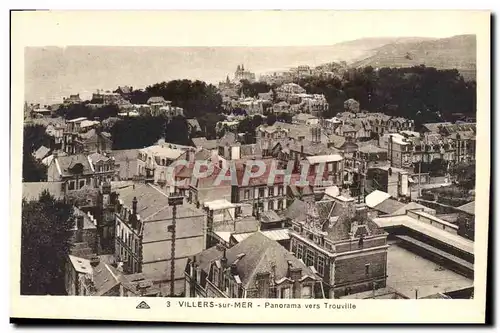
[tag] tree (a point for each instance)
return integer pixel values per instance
(285, 118)
(34, 136)
(177, 131)
(45, 245)
(271, 119)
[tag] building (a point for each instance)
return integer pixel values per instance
(258, 267)
(432, 238)
(256, 195)
(345, 248)
(223, 221)
(153, 162)
(304, 118)
(143, 241)
(84, 229)
(125, 162)
(288, 92)
(242, 74)
(394, 181)
(107, 98)
(91, 276)
(72, 99)
(82, 135)
(81, 171)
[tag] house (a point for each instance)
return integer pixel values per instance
(304, 118)
(255, 193)
(394, 181)
(72, 99)
(345, 248)
(223, 222)
(153, 162)
(91, 277)
(81, 171)
(143, 241)
(82, 135)
(84, 229)
(287, 91)
(258, 267)
(41, 153)
(125, 162)
(193, 126)
(202, 142)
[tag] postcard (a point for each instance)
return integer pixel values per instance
(250, 166)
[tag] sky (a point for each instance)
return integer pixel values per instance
(101, 50)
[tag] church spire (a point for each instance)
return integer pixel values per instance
(238, 69)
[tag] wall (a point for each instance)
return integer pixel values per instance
(352, 272)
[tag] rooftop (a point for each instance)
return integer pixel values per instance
(404, 271)
(260, 255)
(468, 208)
(443, 236)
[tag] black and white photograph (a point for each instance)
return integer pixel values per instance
(330, 173)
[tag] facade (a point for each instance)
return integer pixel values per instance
(77, 172)
(143, 241)
(258, 267)
(346, 250)
(72, 99)
(242, 74)
(153, 162)
(82, 135)
(91, 277)
(257, 196)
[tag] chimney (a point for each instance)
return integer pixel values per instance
(289, 270)
(234, 269)
(79, 222)
(134, 206)
(95, 260)
(224, 258)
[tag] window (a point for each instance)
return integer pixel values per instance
(261, 192)
(286, 292)
(306, 292)
(215, 277)
(300, 251)
(270, 205)
(280, 204)
(82, 183)
(320, 267)
(271, 191)
(246, 194)
(71, 185)
(309, 258)
(367, 269)
(280, 190)
(294, 247)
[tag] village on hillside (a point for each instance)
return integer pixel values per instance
(185, 189)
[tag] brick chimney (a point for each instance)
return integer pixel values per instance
(295, 275)
(95, 260)
(134, 206)
(79, 222)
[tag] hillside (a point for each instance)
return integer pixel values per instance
(455, 52)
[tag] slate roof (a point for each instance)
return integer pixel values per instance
(297, 210)
(41, 153)
(389, 206)
(468, 208)
(65, 163)
(261, 255)
(203, 142)
(194, 124)
(126, 162)
(156, 99)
